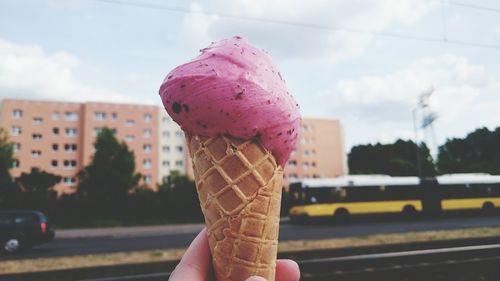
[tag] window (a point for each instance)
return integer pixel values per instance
(71, 132)
(147, 148)
(114, 116)
(129, 138)
(146, 163)
(147, 179)
(99, 115)
(37, 120)
(70, 147)
(166, 163)
(15, 164)
(25, 219)
(129, 123)
(292, 163)
(165, 134)
(36, 137)
(36, 153)
(55, 131)
(70, 116)
(55, 147)
(316, 176)
(165, 119)
(306, 152)
(16, 147)
(69, 181)
(179, 148)
(17, 113)
(179, 163)
(69, 164)
(179, 134)
(5, 219)
(16, 131)
(114, 131)
(97, 131)
(54, 163)
(165, 148)
(55, 115)
(292, 176)
(305, 165)
(147, 118)
(313, 164)
(147, 133)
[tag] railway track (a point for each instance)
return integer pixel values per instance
(474, 263)
(457, 263)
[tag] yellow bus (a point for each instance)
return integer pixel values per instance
(469, 192)
(376, 194)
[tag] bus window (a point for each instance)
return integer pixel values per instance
(343, 193)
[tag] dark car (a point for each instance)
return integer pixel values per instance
(20, 230)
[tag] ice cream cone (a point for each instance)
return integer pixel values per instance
(239, 187)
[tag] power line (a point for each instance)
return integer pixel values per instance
(303, 24)
(473, 6)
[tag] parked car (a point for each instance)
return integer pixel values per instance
(21, 230)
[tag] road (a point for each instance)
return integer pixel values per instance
(147, 238)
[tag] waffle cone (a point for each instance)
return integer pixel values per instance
(239, 186)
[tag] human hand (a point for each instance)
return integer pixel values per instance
(196, 264)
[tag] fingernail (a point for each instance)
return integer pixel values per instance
(256, 278)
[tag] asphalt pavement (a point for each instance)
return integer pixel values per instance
(93, 241)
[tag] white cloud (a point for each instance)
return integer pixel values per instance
(291, 41)
(379, 108)
(27, 71)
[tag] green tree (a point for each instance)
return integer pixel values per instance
(110, 176)
(478, 152)
(8, 189)
(6, 159)
(179, 195)
(397, 159)
(38, 182)
(36, 186)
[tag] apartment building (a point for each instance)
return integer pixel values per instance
(58, 137)
(172, 144)
(320, 151)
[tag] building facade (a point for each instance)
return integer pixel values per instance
(58, 137)
(172, 144)
(320, 151)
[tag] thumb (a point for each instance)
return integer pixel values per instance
(255, 278)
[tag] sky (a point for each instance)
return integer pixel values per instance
(364, 62)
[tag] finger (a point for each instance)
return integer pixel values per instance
(287, 270)
(195, 264)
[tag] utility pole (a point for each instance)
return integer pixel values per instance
(417, 150)
(428, 117)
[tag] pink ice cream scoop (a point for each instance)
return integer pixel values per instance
(233, 88)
